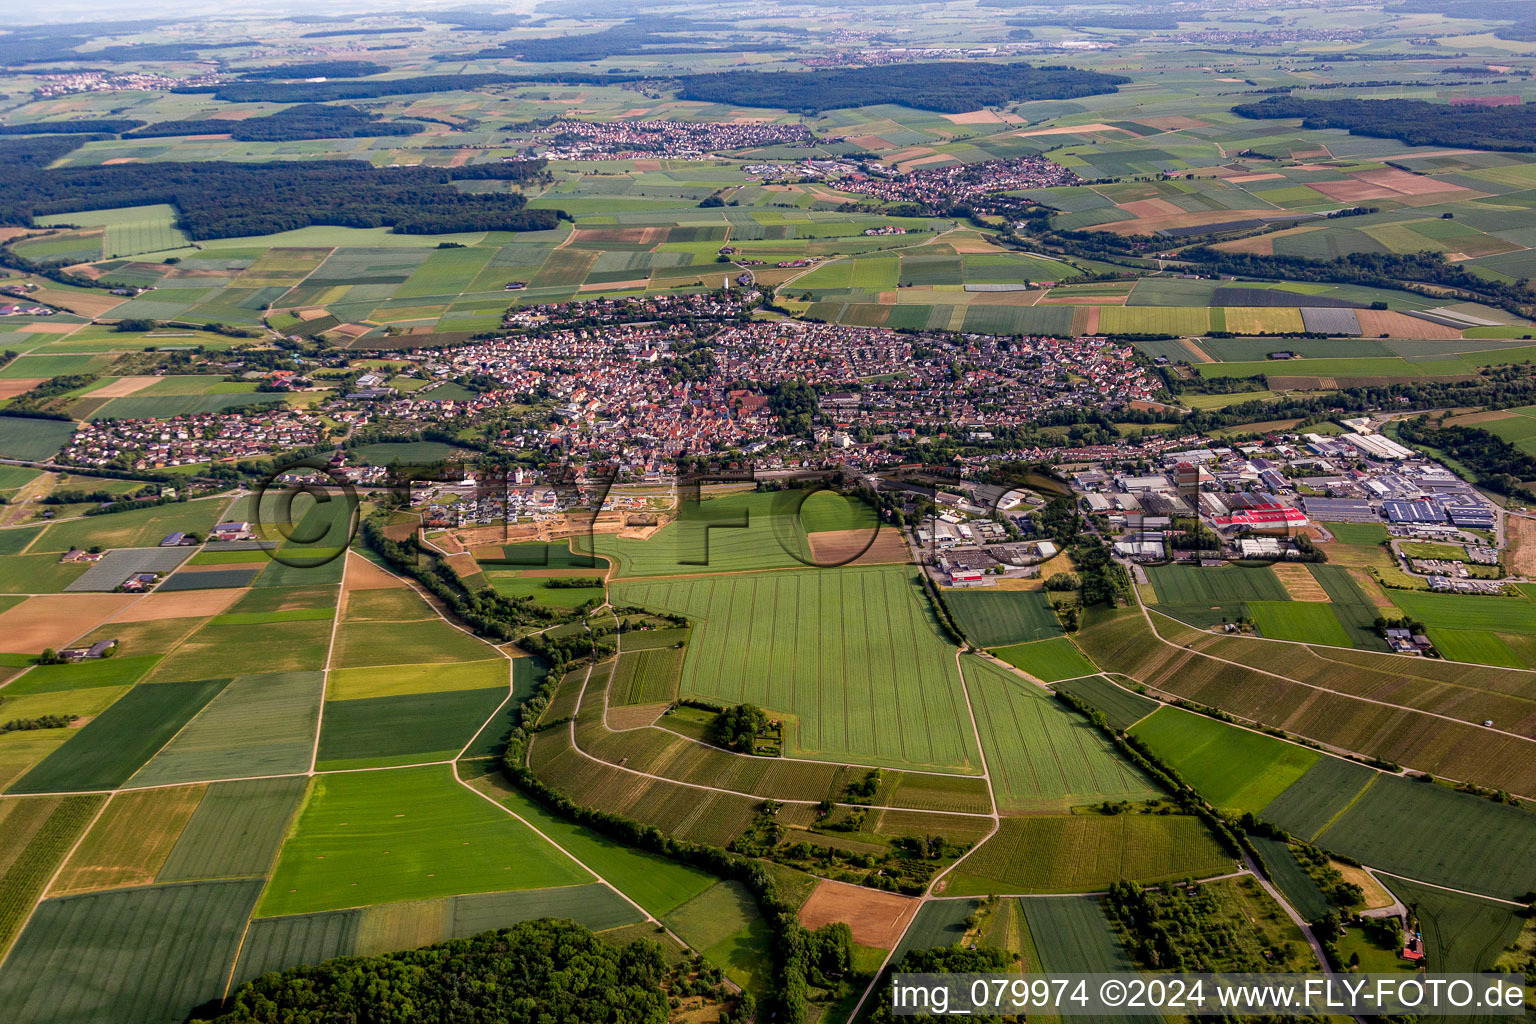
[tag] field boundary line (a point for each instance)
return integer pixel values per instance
(184, 727)
(330, 655)
(1446, 888)
(1352, 801)
(54, 878)
(750, 796)
(574, 859)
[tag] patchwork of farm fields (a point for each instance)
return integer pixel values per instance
(288, 760)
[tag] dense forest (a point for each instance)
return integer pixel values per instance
(320, 92)
(226, 200)
(315, 69)
(111, 126)
(555, 972)
(948, 87)
(1414, 122)
(305, 121)
(637, 36)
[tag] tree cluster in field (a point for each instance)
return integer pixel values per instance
(297, 123)
(1102, 579)
(573, 582)
(1329, 879)
(35, 402)
(556, 972)
(1413, 122)
(40, 722)
(1497, 465)
(1182, 928)
(221, 199)
(950, 87)
(736, 728)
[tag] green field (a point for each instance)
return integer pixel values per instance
(235, 831)
(724, 922)
(534, 555)
(385, 837)
(1291, 878)
(275, 943)
(1461, 933)
(1073, 935)
(823, 511)
(1051, 660)
(1478, 646)
(659, 884)
(258, 725)
(1040, 755)
(116, 743)
(137, 528)
(40, 833)
(646, 677)
(1307, 806)
(1205, 596)
(22, 438)
(1121, 707)
(363, 644)
(727, 534)
(146, 954)
(1310, 622)
(1232, 768)
(398, 680)
(1438, 835)
(852, 655)
(511, 584)
(1086, 852)
(122, 670)
(996, 618)
(409, 728)
(1470, 611)
(284, 646)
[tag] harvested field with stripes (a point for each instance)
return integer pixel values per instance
(1041, 756)
(1376, 709)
